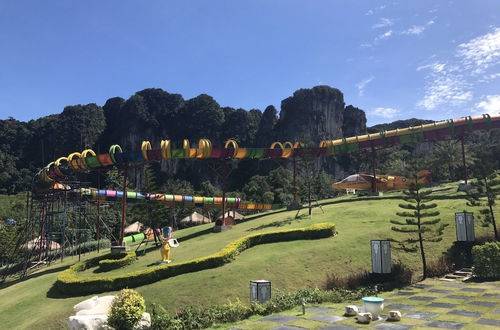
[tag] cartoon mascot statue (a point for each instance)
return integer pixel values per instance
(167, 242)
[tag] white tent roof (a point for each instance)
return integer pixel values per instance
(195, 217)
(133, 228)
(237, 216)
(35, 243)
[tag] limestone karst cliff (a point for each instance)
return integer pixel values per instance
(318, 114)
(153, 114)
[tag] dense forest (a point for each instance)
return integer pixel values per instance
(153, 114)
(310, 115)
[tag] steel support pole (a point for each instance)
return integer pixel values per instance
(124, 207)
(374, 162)
(295, 198)
(223, 205)
(463, 159)
(97, 224)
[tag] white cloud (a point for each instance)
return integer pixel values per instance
(383, 36)
(415, 29)
(384, 22)
(490, 105)
(445, 87)
(372, 11)
(450, 83)
(385, 112)
(436, 67)
(362, 84)
(481, 53)
(418, 29)
(491, 76)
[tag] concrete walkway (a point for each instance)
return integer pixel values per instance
(432, 304)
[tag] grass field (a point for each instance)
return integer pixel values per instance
(289, 265)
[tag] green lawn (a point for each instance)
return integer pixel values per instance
(289, 265)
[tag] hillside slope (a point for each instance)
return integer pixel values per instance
(289, 265)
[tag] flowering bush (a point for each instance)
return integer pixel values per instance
(126, 310)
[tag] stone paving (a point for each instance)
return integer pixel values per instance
(433, 304)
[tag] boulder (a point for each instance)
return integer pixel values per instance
(86, 304)
(102, 305)
(88, 322)
(92, 314)
(144, 322)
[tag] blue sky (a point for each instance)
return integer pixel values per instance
(394, 59)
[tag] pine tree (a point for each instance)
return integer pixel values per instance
(307, 173)
(484, 193)
(420, 220)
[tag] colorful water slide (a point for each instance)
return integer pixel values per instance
(88, 160)
(171, 200)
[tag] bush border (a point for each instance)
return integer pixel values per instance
(117, 260)
(70, 284)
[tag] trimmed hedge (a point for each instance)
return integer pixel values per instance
(486, 260)
(69, 283)
(117, 260)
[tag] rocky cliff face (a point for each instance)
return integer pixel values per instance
(354, 121)
(316, 114)
(312, 115)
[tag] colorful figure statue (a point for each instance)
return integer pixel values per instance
(165, 246)
(165, 251)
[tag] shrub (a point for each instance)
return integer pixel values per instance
(126, 310)
(351, 281)
(117, 260)
(230, 312)
(161, 320)
(69, 283)
(439, 267)
(399, 276)
(486, 260)
(195, 318)
(459, 255)
(401, 273)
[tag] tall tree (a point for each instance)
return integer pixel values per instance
(487, 187)
(448, 155)
(484, 194)
(202, 117)
(240, 125)
(307, 178)
(258, 190)
(420, 222)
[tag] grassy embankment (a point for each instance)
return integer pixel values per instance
(289, 265)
